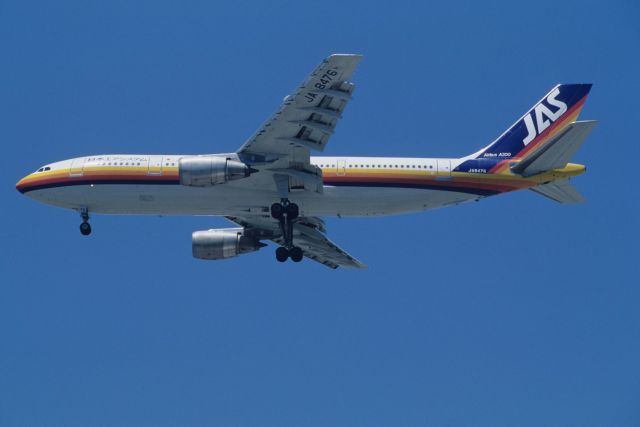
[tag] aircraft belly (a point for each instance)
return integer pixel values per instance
(173, 200)
(228, 200)
(376, 201)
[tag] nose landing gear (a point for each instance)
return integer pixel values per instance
(285, 212)
(85, 227)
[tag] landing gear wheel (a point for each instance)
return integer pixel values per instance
(296, 254)
(292, 211)
(286, 213)
(85, 228)
(277, 210)
(282, 254)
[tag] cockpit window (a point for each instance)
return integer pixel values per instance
(40, 170)
(47, 168)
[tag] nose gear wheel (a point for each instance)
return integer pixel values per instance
(85, 227)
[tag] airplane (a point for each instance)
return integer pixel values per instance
(273, 189)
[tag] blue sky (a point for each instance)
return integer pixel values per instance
(512, 311)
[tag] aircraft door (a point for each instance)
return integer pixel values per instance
(444, 167)
(155, 165)
(75, 169)
(341, 167)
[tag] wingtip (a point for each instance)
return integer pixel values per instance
(359, 264)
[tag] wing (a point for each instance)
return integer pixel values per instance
(308, 234)
(280, 150)
(307, 117)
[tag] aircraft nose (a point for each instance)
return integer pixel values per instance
(20, 185)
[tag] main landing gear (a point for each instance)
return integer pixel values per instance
(285, 212)
(85, 227)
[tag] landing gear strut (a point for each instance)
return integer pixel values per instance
(285, 212)
(85, 227)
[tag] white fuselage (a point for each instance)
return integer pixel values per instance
(99, 184)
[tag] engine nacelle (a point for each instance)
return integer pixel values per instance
(205, 171)
(223, 243)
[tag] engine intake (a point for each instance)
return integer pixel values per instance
(223, 243)
(205, 171)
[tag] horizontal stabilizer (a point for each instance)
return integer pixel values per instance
(560, 191)
(550, 115)
(557, 152)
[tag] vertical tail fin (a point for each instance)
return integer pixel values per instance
(560, 107)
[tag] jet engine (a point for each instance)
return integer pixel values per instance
(205, 171)
(223, 243)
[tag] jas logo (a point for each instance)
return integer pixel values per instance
(542, 113)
